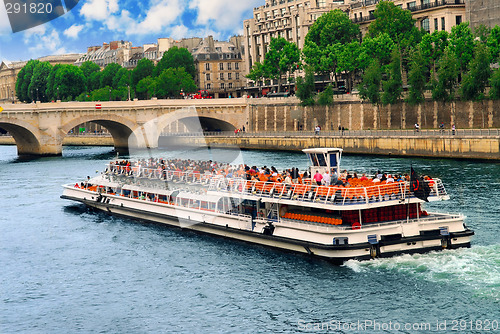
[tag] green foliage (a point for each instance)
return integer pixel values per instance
(325, 98)
(122, 78)
(257, 72)
(493, 43)
(482, 32)
(94, 81)
(38, 83)
(369, 89)
(379, 47)
(24, 80)
(495, 85)
(172, 81)
(417, 77)
(175, 58)
(393, 87)
(475, 81)
(108, 74)
(283, 57)
(447, 76)
(70, 81)
(143, 69)
(88, 69)
(396, 22)
(462, 42)
(146, 88)
(325, 38)
(51, 91)
(305, 88)
(331, 28)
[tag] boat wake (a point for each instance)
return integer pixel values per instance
(477, 268)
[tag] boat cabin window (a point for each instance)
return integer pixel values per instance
(333, 160)
(317, 159)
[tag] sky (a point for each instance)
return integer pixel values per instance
(92, 22)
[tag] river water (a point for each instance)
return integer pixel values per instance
(67, 269)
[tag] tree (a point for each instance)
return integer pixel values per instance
(108, 74)
(325, 98)
(70, 81)
(146, 88)
(493, 43)
(173, 81)
(305, 88)
(175, 58)
(325, 38)
(122, 78)
(369, 89)
(417, 77)
(51, 91)
(257, 72)
(379, 48)
(349, 61)
(398, 23)
(475, 81)
(24, 80)
(88, 68)
(283, 57)
(462, 43)
(143, 69)
(94, 81)
(495, 85)
(447, 77)
(38, 83)
(393, 87)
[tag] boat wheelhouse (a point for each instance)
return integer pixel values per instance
(359, 220)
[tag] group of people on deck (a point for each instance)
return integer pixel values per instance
(253, 173)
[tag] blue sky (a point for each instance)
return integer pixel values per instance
(93, 22)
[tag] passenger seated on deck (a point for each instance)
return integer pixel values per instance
(339, 182)
(363, 178)
(318, 177)
(390, 179)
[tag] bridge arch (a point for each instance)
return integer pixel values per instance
(25, 135)
(120, 128)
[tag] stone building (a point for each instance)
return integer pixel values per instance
(485, 12)
(9, 71)
(120, 52)
(219, 66)
(431, 15)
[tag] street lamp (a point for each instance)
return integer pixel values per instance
(110, 94)
(13, 97)
(37, 95)
(128, 87)
(57, 93)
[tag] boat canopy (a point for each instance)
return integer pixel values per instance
(323, 159)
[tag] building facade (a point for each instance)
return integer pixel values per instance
(430, 15)
(219, 67)
(9, 71)
(485, 12)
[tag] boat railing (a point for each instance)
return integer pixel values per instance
(360, 192)
(337, 195)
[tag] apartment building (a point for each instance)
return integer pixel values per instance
(430, 15)
(219, 66)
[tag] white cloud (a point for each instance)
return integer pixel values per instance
(42, 41)
(4, 22)
(226, 15)
(73, 31)
(99, 9)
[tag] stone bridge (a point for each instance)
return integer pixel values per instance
(39, 128)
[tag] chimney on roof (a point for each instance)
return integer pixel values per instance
(210, 43)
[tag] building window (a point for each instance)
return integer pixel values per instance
(412, 4)
(237, 76)
(208, 76)
(222, 85)
(458, 19)
(221, 66)
(230, 85)
(236, 66)
(207, 66)
(425, 25)
(321, 3)
(208, 86)
(229, 76)
(229, 66)
(436, 27)
(443, 24)
(222, 76)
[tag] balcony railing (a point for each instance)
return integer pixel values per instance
(434, 4)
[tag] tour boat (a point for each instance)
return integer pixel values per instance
(362, 221)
